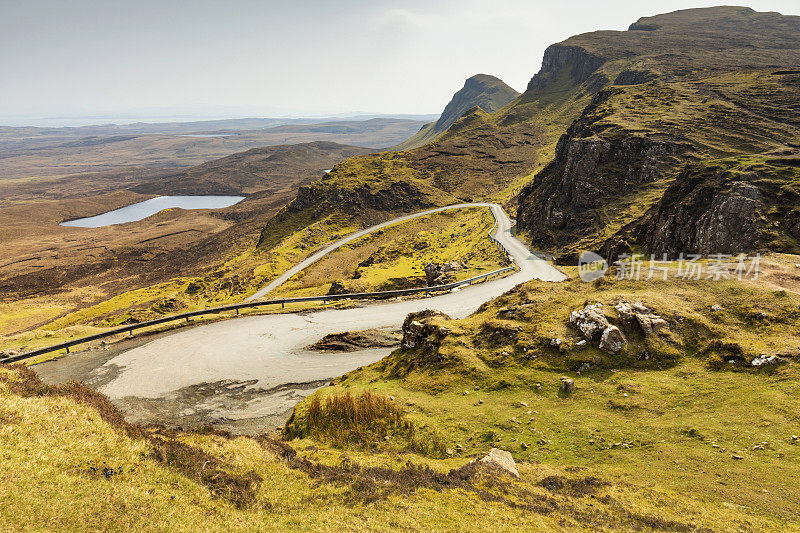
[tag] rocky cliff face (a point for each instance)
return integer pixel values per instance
(689, 87)
(577, 61)
(727, 207)
(589, 172)
(695, 216)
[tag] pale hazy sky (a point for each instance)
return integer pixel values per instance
(98, 56)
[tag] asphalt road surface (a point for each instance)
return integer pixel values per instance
(246, 374)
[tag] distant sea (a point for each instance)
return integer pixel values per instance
(73, 122)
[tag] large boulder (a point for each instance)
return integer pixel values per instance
(612, 340)
(590, 321)
(638, 316)
(501, 460)
(419, 329)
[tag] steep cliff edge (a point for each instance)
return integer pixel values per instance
(689, 87)
(482, 90)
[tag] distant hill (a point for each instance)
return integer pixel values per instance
(270, 168)
(482, 90)
(56, 152)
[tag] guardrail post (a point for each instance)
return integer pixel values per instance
(382, 294)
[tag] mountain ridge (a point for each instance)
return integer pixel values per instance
(483, 90)
(657, 106)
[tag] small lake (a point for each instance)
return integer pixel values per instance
(138, 211)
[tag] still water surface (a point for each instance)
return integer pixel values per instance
(138, 211)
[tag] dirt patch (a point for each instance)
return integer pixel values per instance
(209, 405)
(351, 341)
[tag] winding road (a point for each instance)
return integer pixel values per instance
(246, 374)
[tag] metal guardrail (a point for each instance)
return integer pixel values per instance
(249, 305)
(281, 301)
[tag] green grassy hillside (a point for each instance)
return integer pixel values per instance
(680, 411)
(665, 436)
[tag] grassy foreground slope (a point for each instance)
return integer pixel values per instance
(683, 413)
(670, 441)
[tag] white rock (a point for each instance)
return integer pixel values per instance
(502, 460)
(613, 340)
(764, 360)
(590, 320)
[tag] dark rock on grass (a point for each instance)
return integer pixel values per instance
(418, 329)
(338, 287)
(351, 341)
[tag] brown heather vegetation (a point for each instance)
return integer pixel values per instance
(167, 448)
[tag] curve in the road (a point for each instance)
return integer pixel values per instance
(357, 235)
(250, 369)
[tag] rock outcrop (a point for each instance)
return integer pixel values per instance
(637, 316)
(590, 321)
(768, 360)
(593, 324)
(420, 330)
(502, 461)
(436, 274)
